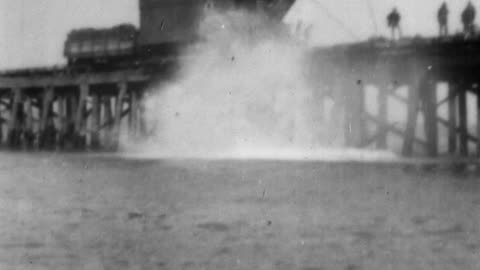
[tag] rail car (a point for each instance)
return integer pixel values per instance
(165, 26)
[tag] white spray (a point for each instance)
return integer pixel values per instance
(240, 92)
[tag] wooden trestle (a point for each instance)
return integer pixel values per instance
(419, 66)
(62, 110)
(57, 110)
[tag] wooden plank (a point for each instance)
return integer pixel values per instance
(62, 80)
(452, 119)
(463, 120)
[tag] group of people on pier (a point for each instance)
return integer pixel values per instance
(467, 18)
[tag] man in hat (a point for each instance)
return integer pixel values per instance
(442, 17)
(468, 18)
(393, 22)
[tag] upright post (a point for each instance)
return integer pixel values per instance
(122, 90)
(95, 134)
(62, 120)
(46, 132)
(133, 119)
(462, 114)
(412, 113)
(79, 116)
(478, 122)
(429, 100)
(29, 133)
(358, 116)
(107, 113)
(452, 119)
(13, 131)
(382, 100)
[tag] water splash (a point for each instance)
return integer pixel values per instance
(241, 92)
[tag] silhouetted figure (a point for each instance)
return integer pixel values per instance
(442, 17)
(468, 18)
(393, 22)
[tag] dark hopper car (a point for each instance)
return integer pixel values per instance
(165, 26)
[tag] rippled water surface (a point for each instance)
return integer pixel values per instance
(100, 212)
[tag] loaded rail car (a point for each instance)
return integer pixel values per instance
(165, 27)
(92, 46)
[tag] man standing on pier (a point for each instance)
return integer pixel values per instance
(442, 17)
(393, 22)
(468, 18)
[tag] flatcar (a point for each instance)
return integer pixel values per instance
(165, 26)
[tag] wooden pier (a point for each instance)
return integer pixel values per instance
(54, 109)
(59, 109)
(420, 66)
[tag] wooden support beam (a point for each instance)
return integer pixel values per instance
(47, 99)
(6, 103)
(348, 114)
(452, 119)
(469, 136)
(133, 118)
(359, 117)
(61, 80)
(79, 116)
(13, 130)
(108, 121)
(412, 113)
(463, 121)
(62, 119)
(478, 122)
(399, 98)
(392, 128)
(448, 97)
(122, 90)
(29, 134)
(354, 126)
(70, 115)
(382, 132)
(95, 134)
(47, 133)
(111, 122)
(429, 101)
(142, 125)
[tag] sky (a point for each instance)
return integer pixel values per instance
(32, 32)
